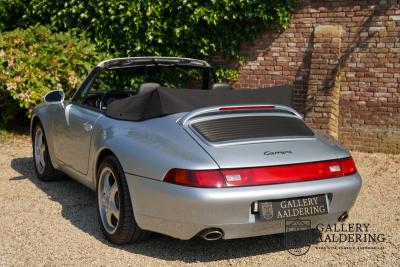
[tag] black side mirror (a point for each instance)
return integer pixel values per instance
(54, 97)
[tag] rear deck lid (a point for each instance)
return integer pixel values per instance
(253, 137)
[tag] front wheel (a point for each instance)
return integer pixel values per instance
(41, 157)
(114, 205)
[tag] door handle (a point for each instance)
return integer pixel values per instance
(87, 126)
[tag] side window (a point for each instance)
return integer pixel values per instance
(117, 79)
(80, 95)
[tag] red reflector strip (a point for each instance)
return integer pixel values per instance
(290, 173)
(246, 108)
(262, 175)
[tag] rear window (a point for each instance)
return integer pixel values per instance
(251, 127)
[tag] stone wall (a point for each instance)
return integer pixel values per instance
(344, 59)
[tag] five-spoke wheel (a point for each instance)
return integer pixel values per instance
(41, 157)
(114, 204)
(108, 198)
(39, 150)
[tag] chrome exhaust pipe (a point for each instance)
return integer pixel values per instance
(343, 217)
(211, 234)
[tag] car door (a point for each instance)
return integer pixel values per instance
(72, 127)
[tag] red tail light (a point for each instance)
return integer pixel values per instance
(262, 175)
(211, 178)
(348, 167)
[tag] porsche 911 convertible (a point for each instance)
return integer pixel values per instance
(168, 149)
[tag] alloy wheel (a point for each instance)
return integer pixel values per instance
(109, 202)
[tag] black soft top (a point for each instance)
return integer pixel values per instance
(164, 101)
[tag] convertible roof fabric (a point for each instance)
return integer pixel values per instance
(165, 101)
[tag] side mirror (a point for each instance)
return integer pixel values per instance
(54, 97)
(221, 87)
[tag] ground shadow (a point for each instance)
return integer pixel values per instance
(79, 207)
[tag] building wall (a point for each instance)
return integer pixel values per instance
(343, 57)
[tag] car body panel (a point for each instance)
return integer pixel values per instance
(72, 131)
(148, 149)
(284, 152)
(182, 212)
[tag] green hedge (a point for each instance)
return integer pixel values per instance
(35, 60)
(166, 27)
(12, 14)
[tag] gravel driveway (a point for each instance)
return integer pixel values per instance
(55, 223)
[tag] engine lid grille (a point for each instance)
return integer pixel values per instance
(251, 127)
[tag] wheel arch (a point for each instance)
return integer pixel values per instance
(104, 152)
(34, 120)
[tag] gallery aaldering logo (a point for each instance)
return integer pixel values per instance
(351, 233)
(344, 236)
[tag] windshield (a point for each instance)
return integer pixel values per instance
(175, 76)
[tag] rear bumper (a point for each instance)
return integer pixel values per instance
(183, 212)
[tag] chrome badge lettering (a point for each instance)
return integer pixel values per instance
(275, 153)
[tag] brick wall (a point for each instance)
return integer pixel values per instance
(344, 59)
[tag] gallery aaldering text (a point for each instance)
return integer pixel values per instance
(352, 232)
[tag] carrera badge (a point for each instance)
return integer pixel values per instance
(277, 153)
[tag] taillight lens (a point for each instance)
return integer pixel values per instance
(209, 178)
(347, 165)
(262, 175)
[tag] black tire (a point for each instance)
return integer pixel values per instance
(126, 230)
(47, 172)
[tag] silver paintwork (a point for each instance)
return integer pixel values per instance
(147, 150)
(182, 212)
(109, 201)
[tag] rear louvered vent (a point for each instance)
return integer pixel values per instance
(255, 127)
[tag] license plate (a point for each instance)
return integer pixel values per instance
(283, 209)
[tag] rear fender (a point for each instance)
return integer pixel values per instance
(149, 148)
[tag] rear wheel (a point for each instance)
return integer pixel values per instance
(41, 158)
(114, 205)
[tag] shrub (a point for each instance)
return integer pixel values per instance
(35, 60)
(12, 14)
(167, 27)
(40, 58)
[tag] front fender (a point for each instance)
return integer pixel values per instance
(43, 113)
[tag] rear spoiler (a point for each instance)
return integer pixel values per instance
(236, 108)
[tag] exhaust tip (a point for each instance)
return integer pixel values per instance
(211, 234)
(343, 217)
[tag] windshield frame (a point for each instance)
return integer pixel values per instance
(209, 75)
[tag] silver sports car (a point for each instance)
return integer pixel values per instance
(205, 160)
